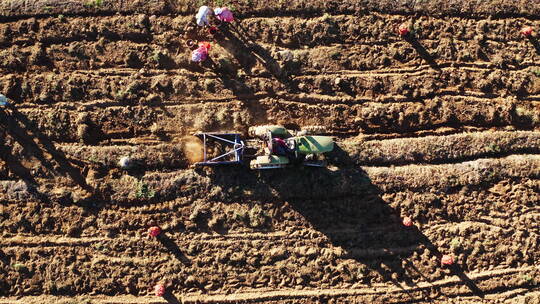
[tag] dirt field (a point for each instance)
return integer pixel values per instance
(443, 127)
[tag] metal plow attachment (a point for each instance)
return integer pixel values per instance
(231, 144)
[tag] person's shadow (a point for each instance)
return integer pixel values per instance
(171, 246)
(421, 50)
(171, 298)
(343, 204)
(237, 41)
(535, 43)
(25, 132)
(17, 128)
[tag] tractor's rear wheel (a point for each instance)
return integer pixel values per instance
(315, 160)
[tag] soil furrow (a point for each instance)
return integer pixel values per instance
(440, 126)
(430, 149)
(460, 8)
(98, 125)
(482, 41)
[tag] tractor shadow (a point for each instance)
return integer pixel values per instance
(343, 204)
(171, 298)
(172, 247)
(535, 43)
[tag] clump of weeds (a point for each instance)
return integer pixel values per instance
(19, 267)
(144, 191)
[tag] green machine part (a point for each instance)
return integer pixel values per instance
(314, 144)
(277, 130)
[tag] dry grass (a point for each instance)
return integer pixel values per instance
(441, 148)
(462, 174)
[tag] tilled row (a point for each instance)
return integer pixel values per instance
(130, 87)
(189, 183)
(349, 151)
(288, 32)
(437, 149)
(512, 294)
(301, 184)
(249, 212)
(402, 117)
(462, 8)
(97, 125)
(130, 266)
(238, 198)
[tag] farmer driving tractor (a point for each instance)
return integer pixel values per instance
(279, 147)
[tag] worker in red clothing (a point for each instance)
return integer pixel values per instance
(279, 147)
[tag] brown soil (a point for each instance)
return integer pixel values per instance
(193, 149)
(443, 127)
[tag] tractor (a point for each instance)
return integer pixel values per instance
(268, 147)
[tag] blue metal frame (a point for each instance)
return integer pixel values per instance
(233, 139)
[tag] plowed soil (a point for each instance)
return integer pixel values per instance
(442, 126)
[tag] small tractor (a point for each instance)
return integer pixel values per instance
(269, 147)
